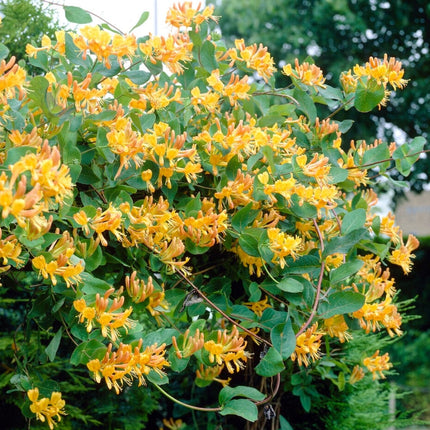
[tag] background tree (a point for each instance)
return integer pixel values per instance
(339, 33)
(25, 21)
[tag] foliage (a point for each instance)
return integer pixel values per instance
(338, 33)
(25, 21)
(167, 223)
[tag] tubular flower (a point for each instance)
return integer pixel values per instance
(372, 315)
(307, 346)
(389, 228)
(402, 255)
(171, 51)
(255, 57)
(137, 289)
(228, 349)
(190, 344)
(377, 281)
(337, 327)
(109, 319)
(10, 249)
(258, 307)
(306, 73)
(12, 80)
(254, 264)
(158, 97)
(47, 409)
(103, 45)
(108, 220)
(377, 363)
(205, 229)
(60, 252)
(209, 374)
(128, 363)
(283, 245)
(184, 15)
(357, 374)
(385, 71)
(172, 424)
(237, 192)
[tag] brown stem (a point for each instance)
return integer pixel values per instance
(273, 393)
(318, 292)
(213, 305)
(375, 163)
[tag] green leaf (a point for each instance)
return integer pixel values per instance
(271, 364)
(77, 15)
(337, 175)
(376, 155)
(244, 217)
(242, 408)
(207, 56)
(343, 302)
(4, 51)
(160, 336)
(283, 339)
(228, 393)
(353, 221)
(368, 96)
(143, 18)
(138, 77)
(250, 240)
(347, 269)
(52, 348)
(343, 244)
(88, 351)
(407, 154)
(285, 425)
(290, 285)
(306, 104)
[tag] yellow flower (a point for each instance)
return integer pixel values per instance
(283, 245)
(337, 327)
(377, 363)
(307, 346)
(308, 74)
(402, 255)
(47, 409)
(106, 313)
(190, 344)
(356, 375)
(209, 374)
(258, 307)
(184, 15)
(228, 349)
(255, 57)
(128, 363)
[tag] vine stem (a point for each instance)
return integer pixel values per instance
(273, 393)
(318, 292)
(212, 304)
(375, 163)
(53, 3)
(186, 405)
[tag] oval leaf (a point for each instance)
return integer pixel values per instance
(343, 302)
(77, 15)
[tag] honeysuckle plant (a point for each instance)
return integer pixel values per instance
(165, 210)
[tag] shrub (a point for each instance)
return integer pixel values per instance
(167, 213)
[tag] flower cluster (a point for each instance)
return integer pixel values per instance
(128, 363)
(47, 409)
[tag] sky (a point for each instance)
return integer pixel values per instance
(124, 14)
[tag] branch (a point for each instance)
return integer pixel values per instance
(203, 296)
(318, 293)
